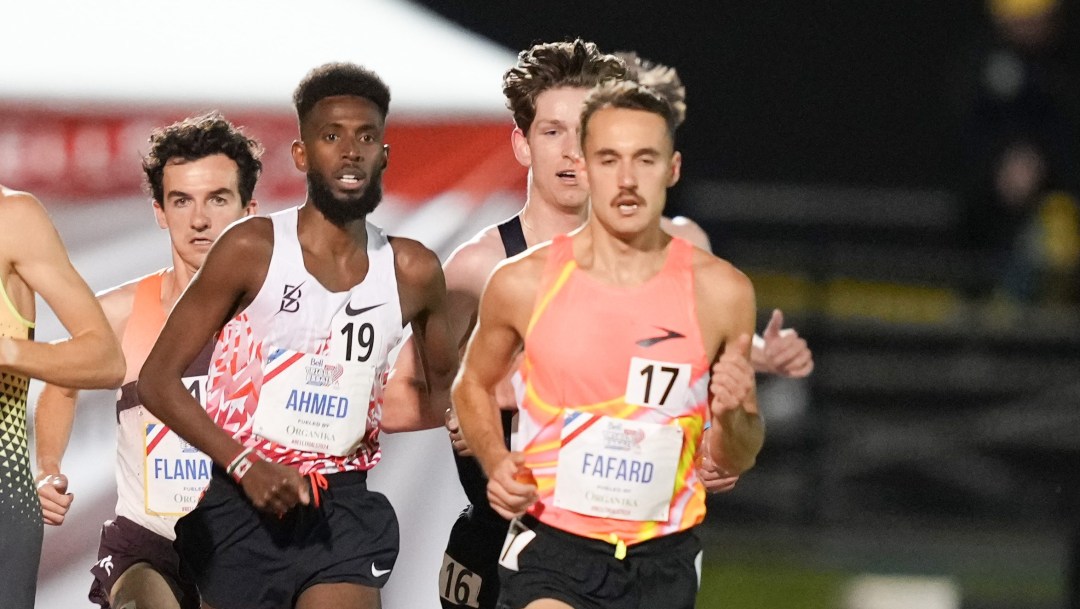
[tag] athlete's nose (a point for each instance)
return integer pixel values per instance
(200, 220)
(625, 175)
(573, 146)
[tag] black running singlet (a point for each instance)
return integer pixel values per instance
(472, 477)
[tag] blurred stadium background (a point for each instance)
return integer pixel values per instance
(899, 178)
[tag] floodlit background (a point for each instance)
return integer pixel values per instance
(899, 178)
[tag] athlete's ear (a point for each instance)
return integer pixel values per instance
(299, 155)
(521, 147)
(252, 208)
(676, 169)
(159, 215)
(385, 155)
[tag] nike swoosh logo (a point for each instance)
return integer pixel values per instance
(351, 311)
(648, 342)
(378, 572)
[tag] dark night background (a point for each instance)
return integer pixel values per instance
(808, 92)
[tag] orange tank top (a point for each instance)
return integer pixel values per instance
(614, 385)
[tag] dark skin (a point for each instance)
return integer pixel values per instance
(342, 134)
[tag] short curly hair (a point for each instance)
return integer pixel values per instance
(340, 78)
(658, 77)
(552, 65)
(629, 95)
(198, 137)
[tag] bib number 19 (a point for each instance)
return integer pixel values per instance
(365, 341)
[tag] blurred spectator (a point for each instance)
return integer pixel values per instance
(1020, 107)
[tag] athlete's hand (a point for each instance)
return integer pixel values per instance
(55, 500)
(782, 351)
(275, 489)
(715, 480)
(457, 440)
(511, 487)
(732, 378)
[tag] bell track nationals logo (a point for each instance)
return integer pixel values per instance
(321, 374)
(618, 437)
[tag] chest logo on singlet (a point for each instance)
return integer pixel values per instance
(648, 342)
(290, 300)
(352, 312)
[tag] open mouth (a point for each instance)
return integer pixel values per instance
(568, 176)
(628, 205)
(351, 181)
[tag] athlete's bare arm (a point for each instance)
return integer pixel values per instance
(737, 432)
(228, 281)
(504, 314)
(422, 291)
(466, 271)
(33, 260)
(55, 414)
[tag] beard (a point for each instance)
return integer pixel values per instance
(342, 211)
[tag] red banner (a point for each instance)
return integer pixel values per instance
(90, 155)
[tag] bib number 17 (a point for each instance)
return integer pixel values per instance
(657, 384)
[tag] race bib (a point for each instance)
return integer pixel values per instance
(458, 584)
(656, 384)
(175, 472)
(616, 468)
(314, 402)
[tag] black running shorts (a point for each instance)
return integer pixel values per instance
(584, 573)
(242, 558)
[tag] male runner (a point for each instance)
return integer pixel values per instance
(614, 381)
(545, 90)
(33, 261)
(305, 305)
(201, 174)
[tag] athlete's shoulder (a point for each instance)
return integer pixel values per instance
(120, 300)
(126, 289)
(718, 276)
(685, 228)
(527, 265)
(480, 253)
(248, 236)
(413, 259)
(17, 208)
(470, 265)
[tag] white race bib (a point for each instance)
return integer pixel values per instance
(656, 384)
(175, 472)
(616, 468)
(314, 402)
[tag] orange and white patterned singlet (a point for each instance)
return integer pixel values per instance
(614, 397)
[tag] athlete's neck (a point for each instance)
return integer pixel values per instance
(174, 281)
(542, 221)
(318, 234)
(621, 259)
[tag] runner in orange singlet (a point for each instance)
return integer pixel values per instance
(620, 324)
